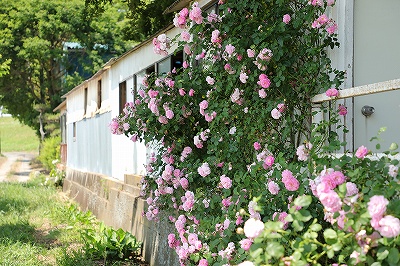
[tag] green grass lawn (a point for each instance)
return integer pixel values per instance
(40, 226)
(15, 136)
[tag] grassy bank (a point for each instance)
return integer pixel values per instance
(15, 136)
(39, 226)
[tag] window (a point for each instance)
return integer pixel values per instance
(177, 60)
(164, 66)
(122, 96)
(85, 101)
(99, 94)
(74, 131)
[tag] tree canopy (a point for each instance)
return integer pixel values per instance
(51, 46)
(146, 17)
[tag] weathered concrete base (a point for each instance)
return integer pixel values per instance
(118, 204)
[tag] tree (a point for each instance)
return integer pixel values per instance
(146, 17)
(35, 34)
(4, 66)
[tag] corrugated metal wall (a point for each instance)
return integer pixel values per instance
(90, 150)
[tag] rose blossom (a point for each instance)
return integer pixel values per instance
(361, 152)
(276, 114)
(331, 201)
(246, 243)
(251, 53)
(204, 170)
(286, 18)
(351, 189)
(203, 262)
(210, 80)
(342, 110)
(389, 226)
(253, 228)
(257, 146)
(262, 93)
(393, 170)
(268, 161)
(264, 81)
(377, 206)
(273, 188)
(332, 92)
(225, 182)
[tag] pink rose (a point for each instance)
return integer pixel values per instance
(377, 206)
(351, 189)
(331, 201)
(389, 226)
(210, 80)
(204, 170)
(342, 110)
(361, 152)
(276, 114)
(273, 188)
(203, 262)
(332, 92)
(268, 161)
(251, 53)
(253, 228)
(246, 243)
(257, 146)
(291, 184)
(225, 182)
(286, 18)
(264, 81)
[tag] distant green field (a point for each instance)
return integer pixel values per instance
(15, 136)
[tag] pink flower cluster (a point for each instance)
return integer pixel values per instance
(387, 226)
(361, 152)
(161, 44)
(303, 151)
(332, 92)
(276, 113)
(195, 14)
(181, 18)
(204, 170)
(322, 21)
(290, 182)
(286, 18)
(225, 182)
(236, 96)
(263, 57)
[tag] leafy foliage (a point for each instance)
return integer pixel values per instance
(108, 243)
(145, 17)
(50, 152)
(231, 137)
(47, 41)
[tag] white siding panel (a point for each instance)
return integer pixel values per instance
(91, 149)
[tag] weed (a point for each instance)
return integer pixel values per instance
(108, 243)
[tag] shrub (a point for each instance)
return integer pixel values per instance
(49, 152)
(108, 243)
(237, 163)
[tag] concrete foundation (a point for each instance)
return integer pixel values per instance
(118, 205)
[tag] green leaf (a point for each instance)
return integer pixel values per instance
(393, 257)
(315, 227)
(330, 234)
(303, 201)
(275, 249)
(382, 253)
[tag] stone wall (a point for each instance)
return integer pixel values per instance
(118, 204)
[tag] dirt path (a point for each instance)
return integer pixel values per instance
(16, 167)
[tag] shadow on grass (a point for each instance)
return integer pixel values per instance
(17, 205)
(19, 232)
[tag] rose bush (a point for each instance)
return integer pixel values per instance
(237, 164)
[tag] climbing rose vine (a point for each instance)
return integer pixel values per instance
(236, 163)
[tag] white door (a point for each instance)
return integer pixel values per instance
(376, 59)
